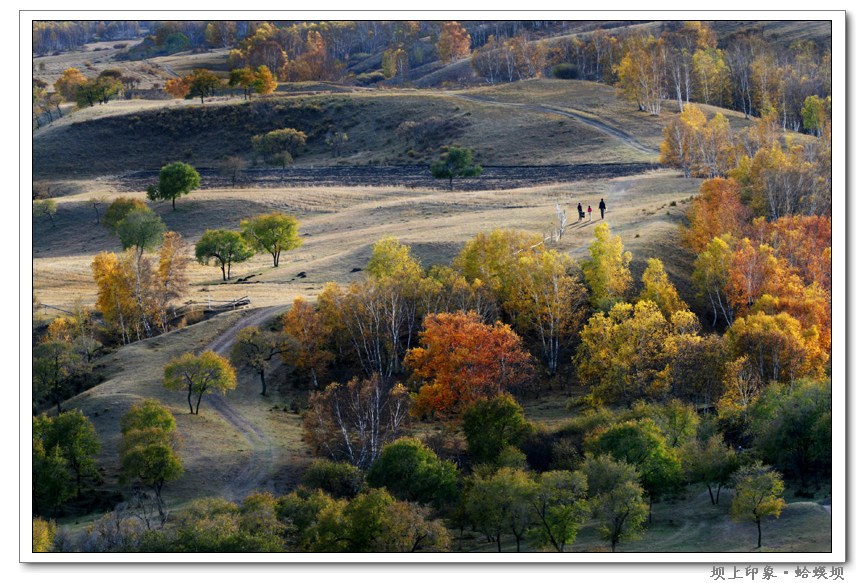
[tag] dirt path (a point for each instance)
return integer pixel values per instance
(258, 471)
(599, 125)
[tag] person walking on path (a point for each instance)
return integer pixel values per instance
(602, 207)
(579, 211)
(589, 210)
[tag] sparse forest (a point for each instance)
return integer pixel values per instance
(390, 314)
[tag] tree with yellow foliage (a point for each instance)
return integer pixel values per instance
(606, 270)
(642, 73)
(624, 355)
(779, 347)
(758, 495)
(711, 276)
(658, 289)
(199, 374)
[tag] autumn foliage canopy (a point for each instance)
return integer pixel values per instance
(462, 360)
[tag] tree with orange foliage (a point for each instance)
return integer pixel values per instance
(718, 210)
(304, 324)
(804, 242)
(454, 42)
(462, 360)
(68, 83)
(811, 305)
(752, 269)
(178, 87)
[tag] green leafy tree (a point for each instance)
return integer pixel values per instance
(118, 210)
(616, 498)
(274, 144)
(64, 450)
(199, 374)
(314, 520)
(412, 471)
(98, 90)
(641, 444)
(758, 495)
(175, 180)
(224, 247)
(711, 463)
(455, 162)
(255, 348)
(147, 451)
(203, 83)
(816, 113)
(56, 368)
(147, 414)
(677, 421)
(243, 78)
(375, 522)
(606, 270)
(492, 424)
(140, 229)
(76, 437)
(53, 482)
(561, 506)
(45, 208)
(272, 233)
(502, 502)
(789, 425)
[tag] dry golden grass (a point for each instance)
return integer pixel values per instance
(339, 226)
(601, 102)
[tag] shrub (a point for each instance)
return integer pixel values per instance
(566, 71)
(412, 471)
(339, 479)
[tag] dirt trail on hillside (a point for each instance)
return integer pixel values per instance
(604, 127)
(258, 471)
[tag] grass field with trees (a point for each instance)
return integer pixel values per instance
(414, 341)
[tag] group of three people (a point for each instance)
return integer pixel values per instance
(602, 206)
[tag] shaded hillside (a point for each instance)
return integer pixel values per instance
(204, 135)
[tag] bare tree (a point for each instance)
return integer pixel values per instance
(354, 421)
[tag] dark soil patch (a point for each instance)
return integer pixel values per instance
(493, 177)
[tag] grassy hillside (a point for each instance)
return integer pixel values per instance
(111, 139)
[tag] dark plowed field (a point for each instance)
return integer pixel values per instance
(493, 177)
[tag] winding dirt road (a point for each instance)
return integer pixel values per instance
(258, 471)
(604, 127)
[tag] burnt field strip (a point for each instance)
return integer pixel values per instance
(493, 177)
